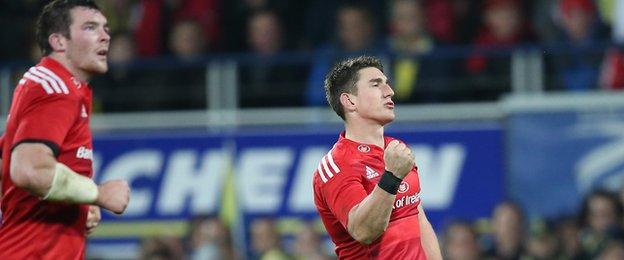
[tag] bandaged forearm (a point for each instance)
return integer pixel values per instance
(70, 186)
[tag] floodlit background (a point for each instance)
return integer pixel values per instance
(214, 111)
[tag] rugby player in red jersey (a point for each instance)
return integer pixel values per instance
(49, 201)
(366, 188)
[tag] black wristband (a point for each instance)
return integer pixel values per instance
(389, 182)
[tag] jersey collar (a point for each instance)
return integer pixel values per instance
(56, 66)
(342, 138)
(60, 70)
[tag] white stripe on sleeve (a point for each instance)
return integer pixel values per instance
(321, 173)
(54, 76)
(51, 81)
(332, 163)
(329, 173)
(41, 82)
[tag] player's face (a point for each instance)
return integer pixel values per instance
(374, 96)
(87, 47)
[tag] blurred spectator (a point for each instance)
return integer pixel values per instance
(355, 29)
(264, 33)
(161, 248)
(507, 231)
(355, 32)
(542, 244)
(155, 18)
(440, 20)
(265, 241)
(601, 211)
(503, 28)
(187, 41)
(184, 86)
(236, 16)
(407, 31)
(209, 239)
(235, 20)
(601, 221)
(578, 20)
(308, 244)
(569, 235)
(318, 32)
(117, 90)
(461, 242)
(578, 68)
(416, 74)
(263, 81)
(205, 14)
(121, 14)
(180, 86)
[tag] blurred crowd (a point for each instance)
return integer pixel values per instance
(595, 232)
(434, 50)
(209, 238)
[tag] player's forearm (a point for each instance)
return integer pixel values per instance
(429, 240)
(32, 168)
(369, 219)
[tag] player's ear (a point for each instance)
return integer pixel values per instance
(348, 102)
(58, 42)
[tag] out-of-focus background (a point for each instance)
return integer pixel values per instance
(214, 111)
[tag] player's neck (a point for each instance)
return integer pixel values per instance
(62, 59)
(365, 133)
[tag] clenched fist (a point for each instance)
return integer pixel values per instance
(399, 159)
(114, 196)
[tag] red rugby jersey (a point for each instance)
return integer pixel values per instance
(345, 176)
(52, 107)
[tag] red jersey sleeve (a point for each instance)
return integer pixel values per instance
(345, 189)
(45, 118)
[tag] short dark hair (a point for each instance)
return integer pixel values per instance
(56, 18)
(342, 78)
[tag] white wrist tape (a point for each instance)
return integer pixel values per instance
(72, 187)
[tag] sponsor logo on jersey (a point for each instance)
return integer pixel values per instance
(406, 201)
(370, 173)
(84, 153)
(403, 187)
(364, 148)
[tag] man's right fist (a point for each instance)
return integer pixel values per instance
(114, 196)
(399, 159)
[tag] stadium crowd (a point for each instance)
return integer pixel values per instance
(435, 50)
(595, 231)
